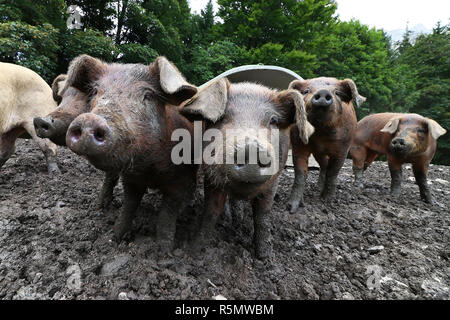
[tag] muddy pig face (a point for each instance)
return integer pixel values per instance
(71, 103)
(411, 134)
(253, 122)
(324, 97)
(127, 116)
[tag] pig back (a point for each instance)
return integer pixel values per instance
(23, 96)
(368, 132)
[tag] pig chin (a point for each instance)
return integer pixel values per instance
(401, 152)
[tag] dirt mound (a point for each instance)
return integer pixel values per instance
(364, 245)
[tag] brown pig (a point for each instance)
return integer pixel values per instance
(23, 96)
(128, 130)
(328, 102)
(403, 138)
(71, 103)
(250, 125)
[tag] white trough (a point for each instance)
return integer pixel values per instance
(269, 76)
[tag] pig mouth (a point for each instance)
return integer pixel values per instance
(401, 151)
(248, 174)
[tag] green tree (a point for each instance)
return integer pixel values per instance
(35, 47)
(429, 58)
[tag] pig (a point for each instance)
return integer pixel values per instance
(128, 130)
(23, 96)
(328, 102)
(71, 103)
(403, 138)
(247, 107)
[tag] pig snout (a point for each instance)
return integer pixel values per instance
(399, 145)
(322, 98)
(45, 127)
(89, 134)
(253, 161)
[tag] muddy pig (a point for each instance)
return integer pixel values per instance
(23, 96)
(403, 138)
(328, 102)
(71, 103)
(128, 130)
(250, 125)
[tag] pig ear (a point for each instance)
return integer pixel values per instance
(435, 129)
(292, 103)
(392, 126)
(350, 92)
(172, 82)
(300, 85)
(58, 86)
(210, 102)
(83, 70)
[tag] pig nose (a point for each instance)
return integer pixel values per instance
(323, 98)
(44, 127)
(89, 134)
(399, 143)
(253, 153)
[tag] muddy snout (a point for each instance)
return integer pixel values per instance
(253, 162)
(322, 98)
(89, 134)
(44, 126)
(400, 146)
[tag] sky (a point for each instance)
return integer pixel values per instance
(384, 14)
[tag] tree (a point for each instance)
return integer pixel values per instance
(35, 47)
(429, 58)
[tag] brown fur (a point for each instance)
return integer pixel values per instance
(330, 143)
(58, 86)
(132, 103)
(247, 107)
(374, 137)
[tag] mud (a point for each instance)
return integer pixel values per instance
(364, 245)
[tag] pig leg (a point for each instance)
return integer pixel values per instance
(237, 211)
(300, 159)
(7, 143)
(420, 173)
(323, 163)
(132, 196)
(47, 147)
(359, 155)
(167, 220)
(215, 199)
(106, 194)
(395, 169)
(333, 168)
(261, 206)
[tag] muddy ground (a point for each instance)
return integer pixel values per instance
(365, 245)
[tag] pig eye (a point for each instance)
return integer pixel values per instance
(273, 121)
(340, 94)
(149, 95)
(305, 91)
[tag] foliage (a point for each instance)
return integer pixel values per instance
(33, 47)
(305, 36)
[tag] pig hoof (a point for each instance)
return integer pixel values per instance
(53, 169)
(395, 194)
(263, 252)
(293, 206)
(165, 247)
(122, 232)
(103, 203)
